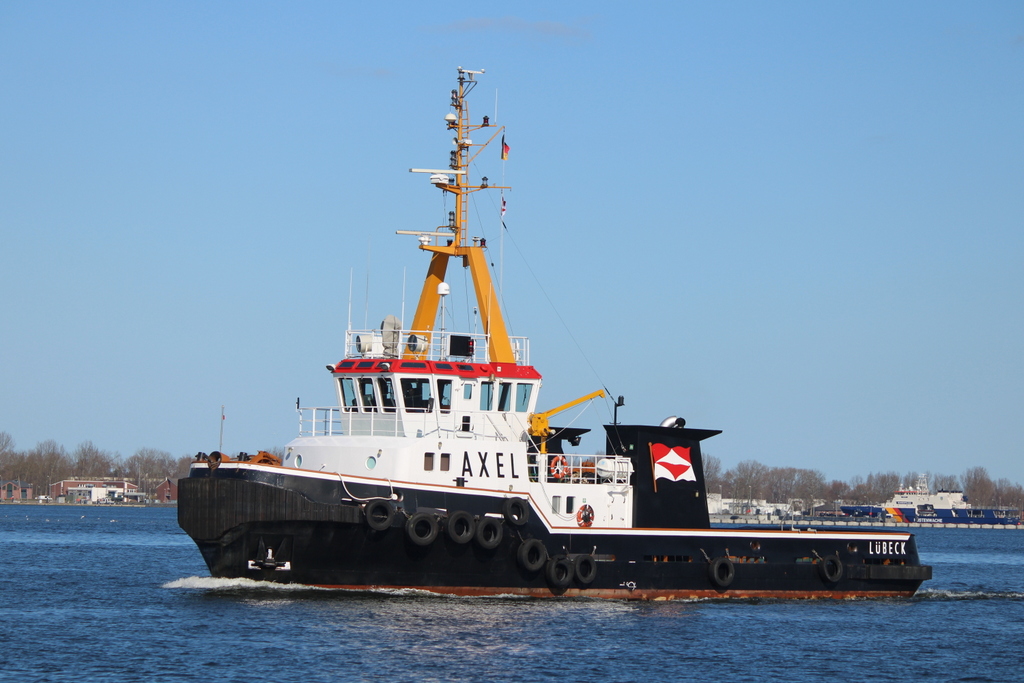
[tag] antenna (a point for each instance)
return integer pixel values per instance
(350, 299)
(366, 305)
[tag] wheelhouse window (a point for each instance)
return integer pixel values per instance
(366, 395)
(416, 394)
(505, 396)
(348, 394)
(523, 392)
(467, 391)
(387, 394)
(486, 395)
(444, 395)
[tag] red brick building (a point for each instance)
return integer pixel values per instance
(167, 491)
(15, 489)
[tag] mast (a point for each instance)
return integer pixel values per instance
(450, 240)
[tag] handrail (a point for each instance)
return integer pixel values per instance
(338, 421)
(429, 345)
(585, 469)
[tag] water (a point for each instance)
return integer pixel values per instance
(121, 594)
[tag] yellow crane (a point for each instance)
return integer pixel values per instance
(539, 425)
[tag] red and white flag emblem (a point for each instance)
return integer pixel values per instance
(672, 463)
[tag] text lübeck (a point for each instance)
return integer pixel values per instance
(887, 547)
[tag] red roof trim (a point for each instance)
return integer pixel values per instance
(398, 366)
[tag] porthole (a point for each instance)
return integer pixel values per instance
(755, 545)
(298, 461)
(852, 547)
(371, 462)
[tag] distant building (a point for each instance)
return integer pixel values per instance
(15, 489)
(167, 491)
(94, 491)
(750, 506)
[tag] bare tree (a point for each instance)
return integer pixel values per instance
(184, 463)
(944, 482)
(780, 483)
(712, 473)
(89, 462)
(810, 486)
(9, 458)
(837, 490)
(6, 443)
(147, 467)
(881, 485)
(979, 487)
(45, 464)
(748, 480)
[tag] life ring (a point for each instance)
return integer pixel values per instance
(422, 528)
(379, 514)
(516, 511)
(585, 516)
(831, 568)
(488, 533)
(559, 571)
(532, 555)
(460, 527)
(721, 571)
(559, 467)
(586, 568)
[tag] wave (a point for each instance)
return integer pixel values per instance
(209, 583)
(939, 595)
(213, 583)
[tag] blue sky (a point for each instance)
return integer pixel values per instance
(800, 223)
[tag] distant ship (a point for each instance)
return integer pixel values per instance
(438, 470)
(919, 504)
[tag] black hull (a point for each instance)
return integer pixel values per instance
(318, 534)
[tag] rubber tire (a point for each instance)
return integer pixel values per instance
(422, 528)
(559, 571)
(516, 511)
(489, 532)
(379, 514)
(721, 571)
(460, 519)
(831, 568)
(532, 548)
(585, 568)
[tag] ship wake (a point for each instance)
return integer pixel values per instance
(217, 584)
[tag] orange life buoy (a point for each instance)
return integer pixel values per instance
(585, 516)
(559, 467)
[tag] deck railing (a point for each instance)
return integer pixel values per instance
(436, 345)
(581, 469)
(337, 421)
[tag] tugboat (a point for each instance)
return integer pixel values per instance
(438, 470)
(918, 505)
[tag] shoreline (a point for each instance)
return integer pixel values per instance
(36, 503)
(818, 522)
(718, 520)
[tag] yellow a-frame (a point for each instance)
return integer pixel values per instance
(498, 343)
